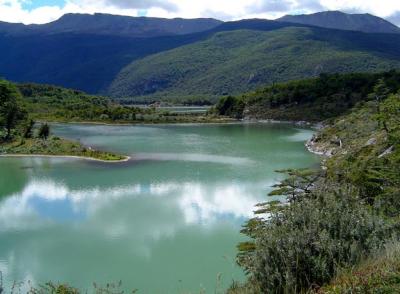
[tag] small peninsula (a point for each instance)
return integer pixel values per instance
(21, 136)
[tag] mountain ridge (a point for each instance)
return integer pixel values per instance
(367, 23)
(108, 24)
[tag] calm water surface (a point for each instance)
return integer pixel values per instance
(167, 221)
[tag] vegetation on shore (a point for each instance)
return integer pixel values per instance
(50, 103)
(315, 100)
(378, 274)
(55, 146)
(18, 135)
(339, 216)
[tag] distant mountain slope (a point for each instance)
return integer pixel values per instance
(227, 59)
(106, 24)
(343, 21)
(89, 62)
(78, 61)
(234, 62)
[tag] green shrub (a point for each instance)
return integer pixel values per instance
(303, 244)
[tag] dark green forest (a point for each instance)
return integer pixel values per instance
(313, 100)
(237, 61)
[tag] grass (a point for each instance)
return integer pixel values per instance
(380, 274)
(57, 147)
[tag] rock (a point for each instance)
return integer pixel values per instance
(329, 153)
(302, 123)
(336, 141)
(370, 142)
(387, 152)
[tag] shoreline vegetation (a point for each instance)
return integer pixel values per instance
(338, 229)
(188, 120)
(56, 147)
(21, 135)
(127, 158)
(56, 104)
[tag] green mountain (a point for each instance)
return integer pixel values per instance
(338, 20)
(240, 60)
(147, 59)
(115, 25)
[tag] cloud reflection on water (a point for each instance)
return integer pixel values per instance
(43, 202)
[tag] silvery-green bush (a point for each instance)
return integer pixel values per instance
(302, 245)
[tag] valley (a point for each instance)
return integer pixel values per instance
(172, 155)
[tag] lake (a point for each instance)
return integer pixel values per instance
(167, 221)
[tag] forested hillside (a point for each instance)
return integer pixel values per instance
(52, 103)
(316, 99)
(234, 62)
(85, 62)
(98, 55)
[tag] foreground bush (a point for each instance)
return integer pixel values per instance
(303, 244)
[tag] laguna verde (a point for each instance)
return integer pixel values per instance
(172, 213)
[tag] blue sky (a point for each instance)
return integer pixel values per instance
(33, 4)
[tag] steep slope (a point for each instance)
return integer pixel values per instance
(233, 62)
(79, 61)
(88, 62)
(338, 20)
(106, 24)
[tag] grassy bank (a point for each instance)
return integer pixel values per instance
(56, 146)
(377, 274)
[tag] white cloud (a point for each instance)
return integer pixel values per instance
(383, 8)
(12, 10)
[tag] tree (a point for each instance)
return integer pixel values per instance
(230, 106)
(299, 182)
(44, 131)
(28, 129)
(381, 92)
(11, 112)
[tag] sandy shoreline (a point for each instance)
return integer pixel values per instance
(127, 158)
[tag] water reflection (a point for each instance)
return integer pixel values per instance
(46, 201)
(135, 233)
(209, 158)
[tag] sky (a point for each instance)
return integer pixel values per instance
(43, 11)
